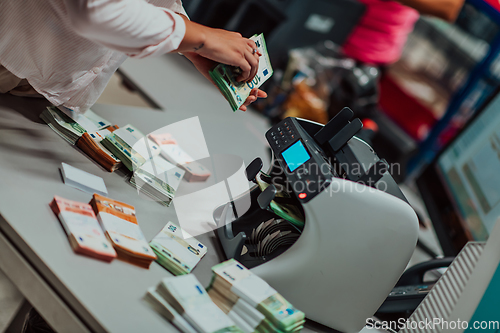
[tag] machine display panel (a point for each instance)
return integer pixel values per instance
(296, 155)
(470, 167)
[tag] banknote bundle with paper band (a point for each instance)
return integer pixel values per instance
(225, 76)
(62, 124)
(248, 318)
(160, 305)
(120, 224)
(91, 144)
(130, 146)
(232, 281)
(86, 131)
(153, 175)
(158, 179)
(188, 298)
(82, 228)
(177, 251)
(170, 150)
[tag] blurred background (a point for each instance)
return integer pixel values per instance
(413, 103)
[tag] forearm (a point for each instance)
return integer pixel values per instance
(136, 28)
(194, 37)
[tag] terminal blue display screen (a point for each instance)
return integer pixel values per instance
(296, 155)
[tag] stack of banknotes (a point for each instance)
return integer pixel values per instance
(91, 145)
(177, 251)
(111, 147)
(82, 228)
(86, 131)
(246, 297)
(189, 300)
(130, 146)
(62, 124)
(119, 221)
(225, 76)
(160, 305)
(158, 179)
(170, 150)
(152, 174)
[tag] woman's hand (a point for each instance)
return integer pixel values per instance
(254, 94)
(222, 46)
(204, 65)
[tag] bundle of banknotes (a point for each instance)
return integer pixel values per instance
(86, 131)
(111, 147)
(131, 146)
(189, 300)
(152, 174)
(271, 235)
(239, 292)
(158, 179)
(91, 145)
(119, 222)
(236, 92)
(177, 251)
(82, 228)
(160, 305)
(171, 151)
(62, 124)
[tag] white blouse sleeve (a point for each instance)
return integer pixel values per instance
(134, 27)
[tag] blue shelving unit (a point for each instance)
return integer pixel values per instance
(480, 84)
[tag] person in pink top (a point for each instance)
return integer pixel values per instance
(379, 37)
(378, 41)
(381, 33)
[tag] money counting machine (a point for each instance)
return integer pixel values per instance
(327, 226)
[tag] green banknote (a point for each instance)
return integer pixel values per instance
(289, 212)
(225, 76)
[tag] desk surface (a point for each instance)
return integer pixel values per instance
(107, 297)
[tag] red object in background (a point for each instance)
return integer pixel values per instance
(302, 195)
(494, 3)
(407, 111)
(369, 124)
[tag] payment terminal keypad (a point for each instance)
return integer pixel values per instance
(302, 160)
(283, 135)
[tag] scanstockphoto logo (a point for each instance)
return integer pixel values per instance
(178, 170)
(432, 324)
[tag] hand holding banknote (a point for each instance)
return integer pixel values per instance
(205, 47)
(204, 65)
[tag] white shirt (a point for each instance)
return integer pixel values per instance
(69, 49)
